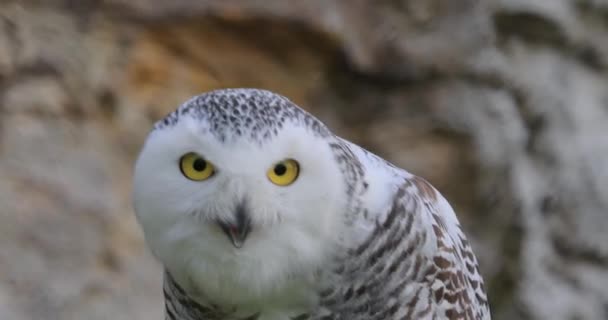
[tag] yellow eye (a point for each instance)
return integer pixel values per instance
(284, 173)
(194, 167)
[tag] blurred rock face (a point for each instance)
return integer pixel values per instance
(500, 104)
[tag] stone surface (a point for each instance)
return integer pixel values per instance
(501, 104)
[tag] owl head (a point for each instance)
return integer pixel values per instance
(240, 188)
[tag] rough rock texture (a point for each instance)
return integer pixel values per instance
(501, 104)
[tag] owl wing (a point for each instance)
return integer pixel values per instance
(453, 271)
(414, 262)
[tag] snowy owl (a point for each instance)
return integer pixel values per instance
(258, 211)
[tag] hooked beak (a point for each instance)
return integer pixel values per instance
(238, 230)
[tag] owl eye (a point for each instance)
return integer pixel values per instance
(284, 173)
(194, 167)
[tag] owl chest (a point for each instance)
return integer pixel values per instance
(290, 303)
(179, 309)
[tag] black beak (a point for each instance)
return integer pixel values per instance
(238, 230)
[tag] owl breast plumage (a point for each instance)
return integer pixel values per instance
(294, 222)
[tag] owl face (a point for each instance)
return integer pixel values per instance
(230, 207)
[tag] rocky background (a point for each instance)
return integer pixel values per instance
(502, 104)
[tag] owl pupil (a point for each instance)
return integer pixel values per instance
(280, 169)
(199, 164)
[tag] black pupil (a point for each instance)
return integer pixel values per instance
(199, 164)
(280, 169)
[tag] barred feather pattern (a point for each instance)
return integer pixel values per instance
(391, 276)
